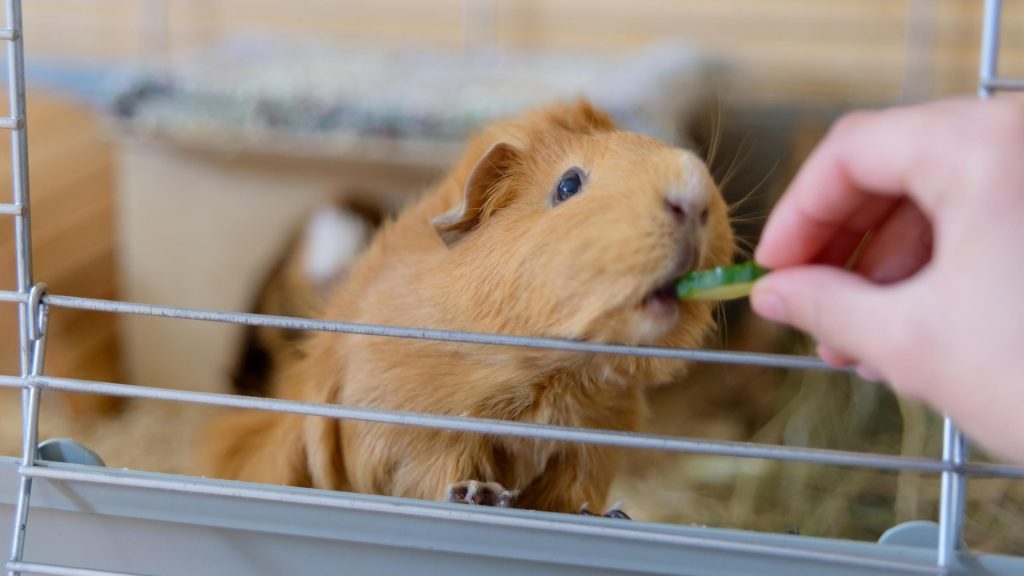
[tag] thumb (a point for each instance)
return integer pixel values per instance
(838, 308)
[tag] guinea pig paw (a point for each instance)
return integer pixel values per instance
(614, 512)
(481, 494)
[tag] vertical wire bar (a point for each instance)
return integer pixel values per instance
(19, 178)
(30, 439)
(19, 181)
(954, 445)
(953, 494)
(989, 47)
(23, 248)
(19, 165)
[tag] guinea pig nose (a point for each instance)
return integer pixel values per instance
(677, 209)
(681, 210)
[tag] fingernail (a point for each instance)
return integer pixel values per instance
(768, 305)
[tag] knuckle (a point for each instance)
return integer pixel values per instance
(846, 124)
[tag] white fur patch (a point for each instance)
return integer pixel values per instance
(695, 184)
(334, 238)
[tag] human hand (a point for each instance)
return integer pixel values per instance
(934, 304)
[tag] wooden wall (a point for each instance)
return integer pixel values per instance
(848, 51)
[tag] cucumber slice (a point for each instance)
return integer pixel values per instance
(723, 283)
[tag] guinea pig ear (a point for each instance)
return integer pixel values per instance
(480, 187)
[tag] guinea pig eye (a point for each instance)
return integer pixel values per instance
(568, 186)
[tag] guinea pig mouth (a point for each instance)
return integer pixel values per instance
(664, 294)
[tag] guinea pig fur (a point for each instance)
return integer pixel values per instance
(314, 260)
(551, 224)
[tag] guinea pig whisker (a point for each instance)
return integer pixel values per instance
(722, 321)
(742, 243)
(716, 132)
(745, 251)
(751, 218)
(737, 162)
(751, 194)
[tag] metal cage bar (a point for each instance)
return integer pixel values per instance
(29, 351)
(33, 305)
(953, 488)
(287, 322)
(524, 430)
(54, 570)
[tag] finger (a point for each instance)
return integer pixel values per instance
(900, 247)
(839, 249)
(851, 235)
(825, 226)
(841, 310)
(864, 162)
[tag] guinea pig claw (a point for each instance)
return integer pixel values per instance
(615, 512)
(478, 493)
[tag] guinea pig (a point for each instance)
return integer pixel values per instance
(316, 257)
(554, 224)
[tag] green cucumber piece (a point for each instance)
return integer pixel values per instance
(722, 283)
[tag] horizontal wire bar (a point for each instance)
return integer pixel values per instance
(468, 514)
(989, 470)
(306, 324)
(519, 429)
(56, 570)
(288, 322)
(12, 296)
(11, 123)
(1002, 84)
(12, 209)
(8, 34)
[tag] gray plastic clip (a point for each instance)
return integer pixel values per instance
(917, 533)
(68, 451)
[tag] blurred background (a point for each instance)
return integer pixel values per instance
(175, 147)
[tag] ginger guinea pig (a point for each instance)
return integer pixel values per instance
(552, 224)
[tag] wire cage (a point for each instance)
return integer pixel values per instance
(60, 510)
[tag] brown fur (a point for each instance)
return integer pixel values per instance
(508, 263)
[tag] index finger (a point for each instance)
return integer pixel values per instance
(853, 178)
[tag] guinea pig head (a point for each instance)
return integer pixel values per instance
(568, 227)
